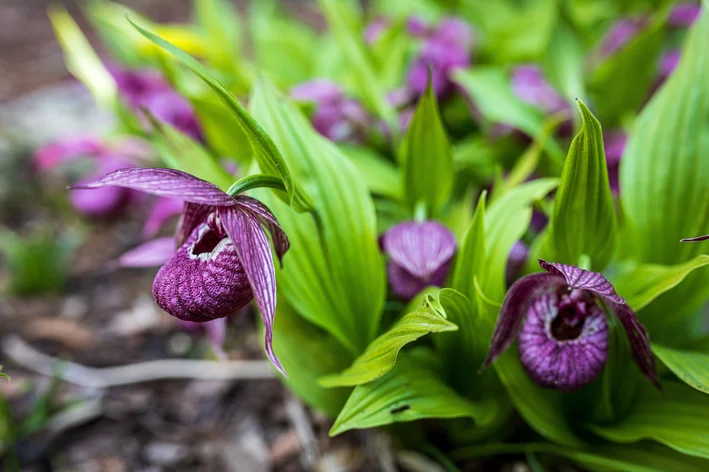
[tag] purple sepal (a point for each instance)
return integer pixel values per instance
(584, 280)
(164, 183)
(419, 248)
(695, 239)
(269, 221)
(516, 261)
(204, 279)
(251, 243)
(639, 341)
(520, 295)
(684, 15)
(153, 253)
(193, 215)
(562, 364)
(160, 212)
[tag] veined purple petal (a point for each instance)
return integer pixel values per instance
(251, 243)
(684, 15)
(520, 295)
(204, 279)
(165, 183)
(565, 364)
(193, 215)
(420, 248)
(584, 280)
(268, 219)
(639, 341)
(695, 239)
(161, 211)
(150, 254)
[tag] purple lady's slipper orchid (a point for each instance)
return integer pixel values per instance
(419, 256)
(563, 340)
(445, 50)
(684, 15)
(336, 117)
(530, 85)
(614, 143)
(147, 89)
(223, 260)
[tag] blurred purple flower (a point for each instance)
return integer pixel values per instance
(530, 85)
(215, 331)
(668, 63)
(105, 202)
(444, 50)
(336, 117)
(620, 33)
(614, 143)
(516, 261)
(563, 340)
(145, 88)
(161, 211)
(416, 26)
(224, 258)
(66, 149)
(374, 30)
(684, 15)
(419, 256)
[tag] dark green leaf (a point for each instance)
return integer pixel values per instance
(409, 392)
(692, 367)
(583, 221)
(380, 356)
(677, 418)
(427, 157)
(266, 152)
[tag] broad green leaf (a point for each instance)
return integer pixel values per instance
(380, 356)
(691, 367)
(664, 173)
(345, 25)
(506, 220)
(621, 83)
(645, 282)
(334, 273)
(563, 62)
(181, 152)
(220, 133)
(81, 59)
(492, 93)
(265, 150)
(677, 418)
(462, 352)
(380, 175)
(427, 157)
(583, 220)
(471, 255)
(307, 352)
(409, 392)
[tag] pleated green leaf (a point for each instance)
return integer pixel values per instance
(664, 174)
(644, 283)
(334, 272)
(677, 418)
(583, 220)
(471, 255)
(691, 367)
(427, 157)
(409, 392)
(265, 150)
(380, 356)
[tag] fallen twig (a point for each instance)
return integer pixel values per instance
(24, 355)
(304, 431)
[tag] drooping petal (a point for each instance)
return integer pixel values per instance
(162, 210)
(150, 254)
(216, 333)
(520, 295)
(584, 280)
(193, 215)
(639, 341)
(164, 183)
(568, 364)
(419, 248)
(268, 219)
(203, 280)
(695, 239)
(251, 243)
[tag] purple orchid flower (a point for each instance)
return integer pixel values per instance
(516, 261)
(684, 15)
(443, 51)
(620, 33)
(336, 117)
(145, 88)
(563, 340)
(223, 260)
(695, 239)
(66, 149)
(530, 85)
(419, 256)
(161, 211)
